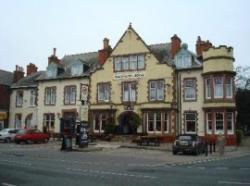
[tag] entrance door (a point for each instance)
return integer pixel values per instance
(128, 122)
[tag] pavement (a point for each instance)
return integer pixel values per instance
(162, 153)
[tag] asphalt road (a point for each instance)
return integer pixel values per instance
(33, 165)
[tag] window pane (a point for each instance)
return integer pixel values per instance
(219, 121)
(118, 64)
(190, 119)
(229, 87)
(141, 62)
(133, 62)
(208, 88)
(218, 89)
(229, 117)
(125, 63)
(190, 89)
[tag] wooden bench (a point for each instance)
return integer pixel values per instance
(148, 141)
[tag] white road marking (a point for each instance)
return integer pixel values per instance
(221, 168)
(7, 184)
(111, 173)
(234, 182)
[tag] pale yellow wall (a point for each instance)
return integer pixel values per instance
(57, 109)
(219, 64)
(131, 45)
(193, 105)
(25, 110)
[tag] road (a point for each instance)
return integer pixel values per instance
(34, 165)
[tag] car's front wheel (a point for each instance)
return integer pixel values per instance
(175, 152)
(7, 140)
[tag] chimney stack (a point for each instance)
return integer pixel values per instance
(175, 45)
(18, 74)
(105, 52)
(202, 46)
(54, 58)
(31, 69)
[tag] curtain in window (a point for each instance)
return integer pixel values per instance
(218, 89)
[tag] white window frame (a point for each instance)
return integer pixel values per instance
(101, 117)
(32, 98)
(195, 122)
(188, 89)
(118, 64)
(129, 63)
(131, 92)
(76, 69)
(50, 95)
(209, 131)
(50, 118)
(19, 98)
(215, 123)
(232, 122)
(164, 119)
(219, 86)
(106, 94)
(208, 88)
(158, 90)
(229, 87)
(70, 95)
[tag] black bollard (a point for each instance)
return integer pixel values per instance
(210, 147)
(206, 149)
(214, 149)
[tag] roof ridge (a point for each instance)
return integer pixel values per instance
(77, 54)
(159, 44)
(6, 71)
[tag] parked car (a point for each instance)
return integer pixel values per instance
(8, 134)
(31, 135)
(191, 143)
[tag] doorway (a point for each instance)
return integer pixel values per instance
(128, 122)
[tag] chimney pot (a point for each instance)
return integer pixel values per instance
(54, 51)
(175, 45)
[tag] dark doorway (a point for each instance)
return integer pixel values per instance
(128, 122)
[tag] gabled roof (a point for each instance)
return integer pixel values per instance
(28, 81)
(162, 52)
(6, 78)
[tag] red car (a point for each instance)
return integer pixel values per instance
(31, 135)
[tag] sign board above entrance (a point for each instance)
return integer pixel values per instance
(132, 75)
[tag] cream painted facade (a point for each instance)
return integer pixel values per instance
(26, 110)
(59, 109)
(132, 44)
(195, 105)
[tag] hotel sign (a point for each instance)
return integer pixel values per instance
(132, 75)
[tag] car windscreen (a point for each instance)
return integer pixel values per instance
(22, 131)
(186, 138)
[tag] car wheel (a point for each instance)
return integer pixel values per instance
(175, 152)
(196, 152)
(7, 140)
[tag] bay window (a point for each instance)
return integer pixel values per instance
(230, 122)
(219, 122)
(209, 122)
(218, 87)
(229, 87)
(208, 88)
(157, 122)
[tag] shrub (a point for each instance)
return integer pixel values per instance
(239, 136)
(109, 128)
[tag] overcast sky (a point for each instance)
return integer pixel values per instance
(30, 29)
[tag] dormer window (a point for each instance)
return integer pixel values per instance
(52, 70)
(76, 69)
(183, 61)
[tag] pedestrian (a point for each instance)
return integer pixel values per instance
(221, 144)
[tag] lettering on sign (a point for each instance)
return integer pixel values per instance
(137, 75)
